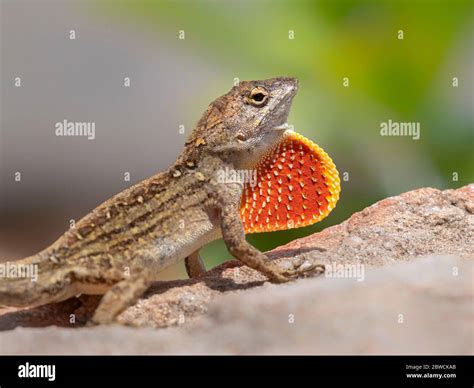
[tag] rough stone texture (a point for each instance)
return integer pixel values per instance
(331, 316)
(218, 313)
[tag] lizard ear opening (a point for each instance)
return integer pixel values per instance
(297, 185)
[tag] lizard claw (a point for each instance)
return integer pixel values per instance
(277, 277)
(301, 268)
(304, 269)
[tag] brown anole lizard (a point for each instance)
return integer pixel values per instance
(121, 246)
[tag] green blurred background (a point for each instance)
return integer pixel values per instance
(405, 80)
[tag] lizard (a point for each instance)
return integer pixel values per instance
(120, 247)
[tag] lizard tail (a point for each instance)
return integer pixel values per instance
(20, 283)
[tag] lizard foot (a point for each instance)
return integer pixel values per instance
(277, 277)
(303, 269)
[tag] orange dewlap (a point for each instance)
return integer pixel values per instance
(297, 185)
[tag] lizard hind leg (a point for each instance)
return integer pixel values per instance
(194, 265)
(119, 297)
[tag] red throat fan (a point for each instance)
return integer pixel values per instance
(297, 185)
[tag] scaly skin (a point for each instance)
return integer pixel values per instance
(121, 246)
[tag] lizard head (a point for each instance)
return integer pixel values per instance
(243, 125)
(297, 183)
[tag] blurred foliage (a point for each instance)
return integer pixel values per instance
(403, 80)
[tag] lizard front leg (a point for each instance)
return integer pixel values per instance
(194, 265)
(234, 238)
(122, 295)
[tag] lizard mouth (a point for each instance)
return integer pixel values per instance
(297, 184)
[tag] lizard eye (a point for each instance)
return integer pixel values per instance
(258, 97)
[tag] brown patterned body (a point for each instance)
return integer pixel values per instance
(121, 246)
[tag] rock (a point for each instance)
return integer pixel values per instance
(395, 230)
(423, 307)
